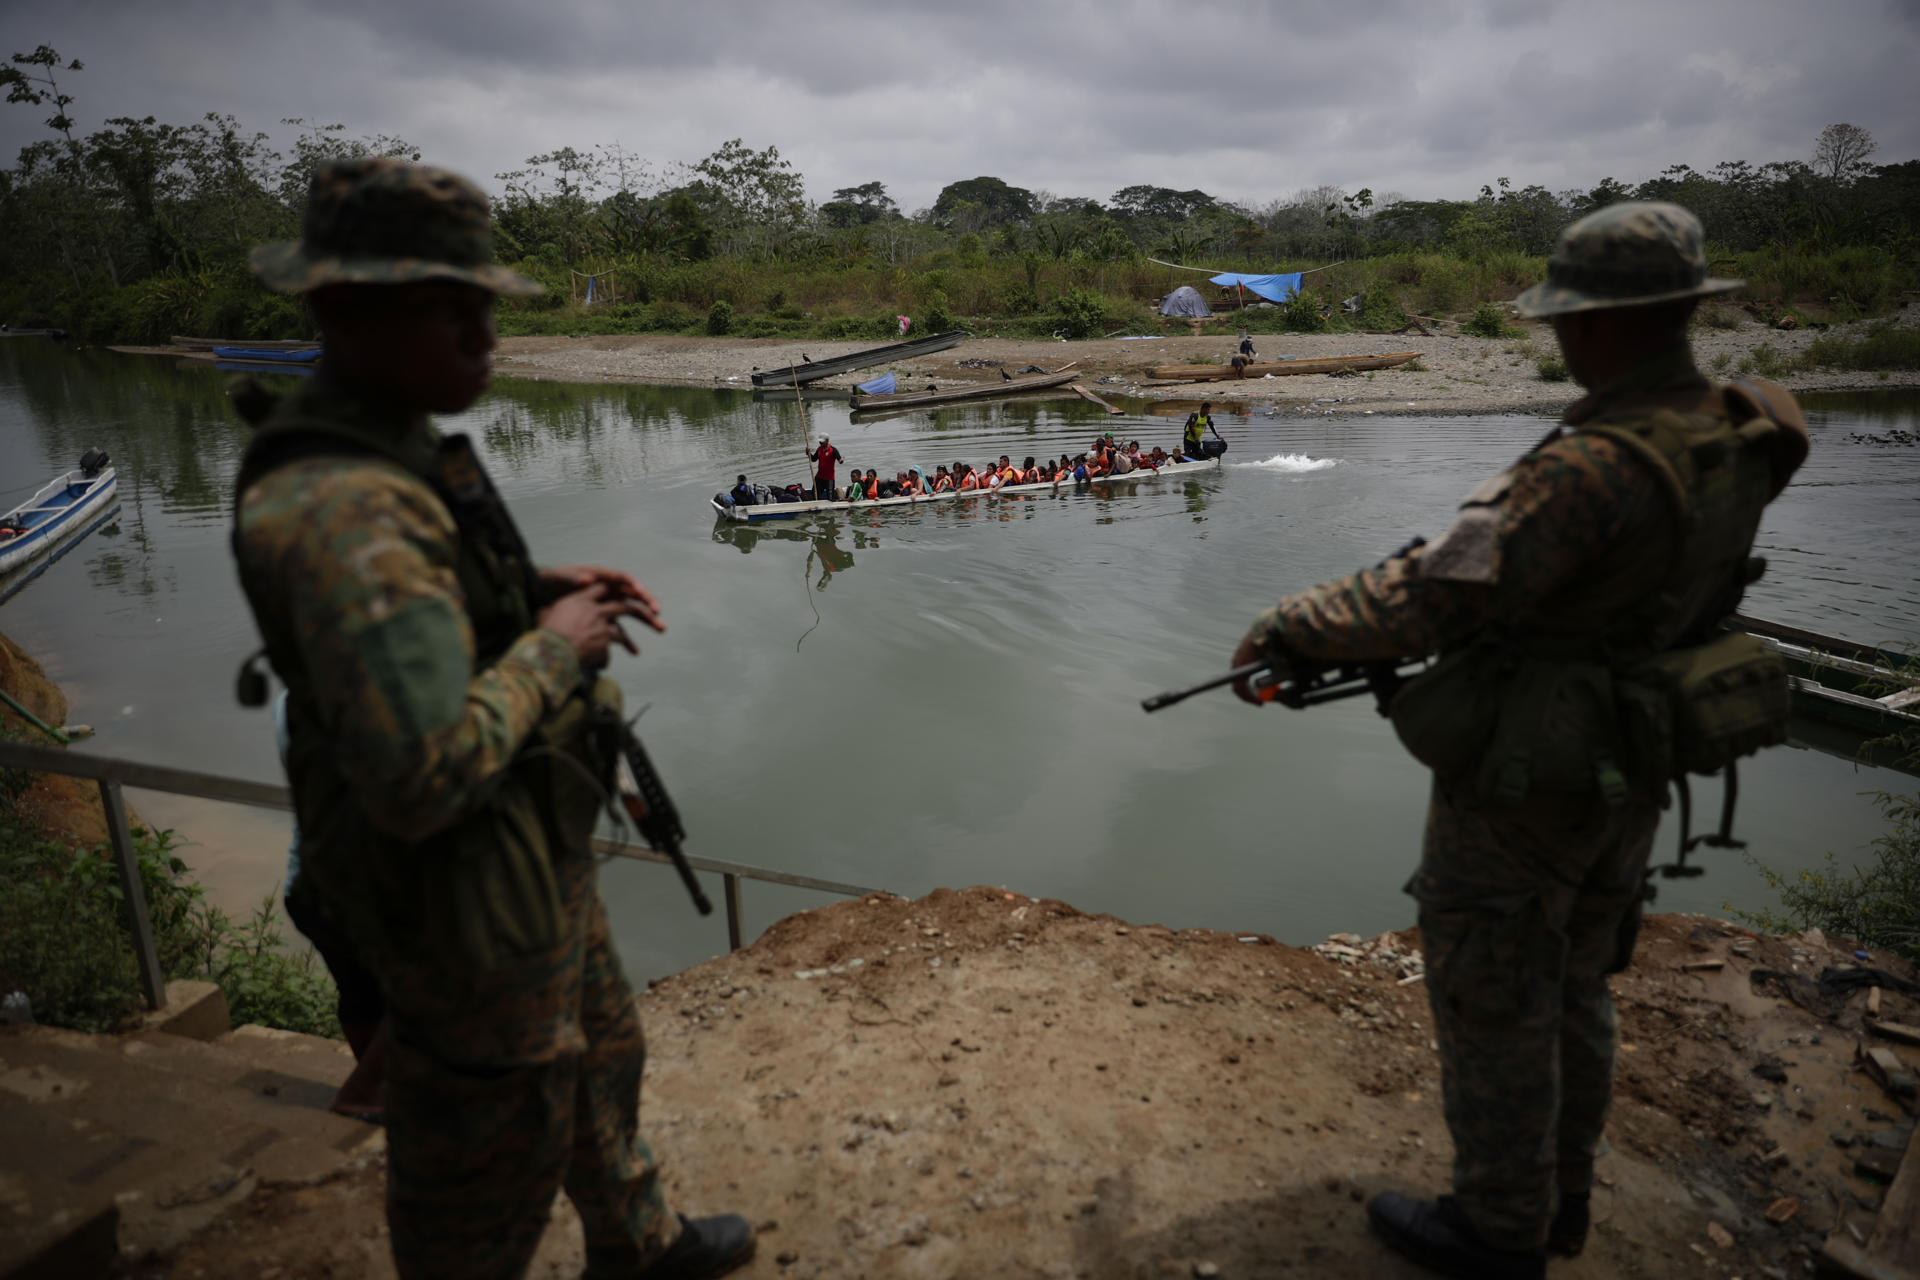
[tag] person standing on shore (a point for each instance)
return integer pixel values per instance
(446, 764)
(1619, 542)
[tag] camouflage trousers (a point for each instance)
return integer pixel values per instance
(1523, 914)
(507, 1086)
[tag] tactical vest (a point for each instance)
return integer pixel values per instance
(1624, 681)
(483, 890)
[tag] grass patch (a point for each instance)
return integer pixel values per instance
(1551, 369)
(1489, 320)
(1766, 362)
(1884, 347)
(1414, 366)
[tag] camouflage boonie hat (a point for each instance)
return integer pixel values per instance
(1625, 255)
(377, 220)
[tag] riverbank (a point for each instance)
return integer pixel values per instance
(1460, 374)
(979, 1083)
(53, 806)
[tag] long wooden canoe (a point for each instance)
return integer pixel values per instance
(1279, 368)
(1847, 697)
(725, 510)
(972, 391)
(786, 375)
(258, 344)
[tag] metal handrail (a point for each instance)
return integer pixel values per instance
(113, 773)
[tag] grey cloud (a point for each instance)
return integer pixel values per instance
(1246, 99)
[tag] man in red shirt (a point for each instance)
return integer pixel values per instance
(823, 459)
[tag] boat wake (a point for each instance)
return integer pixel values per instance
(1292, 463)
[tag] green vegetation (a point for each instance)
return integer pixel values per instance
(1766, 362)
(65, 942)
(1551, 369)
(1877, 903)
(1884, 347)
(139, 230)
(1489, 320)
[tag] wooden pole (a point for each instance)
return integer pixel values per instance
(1086, 394)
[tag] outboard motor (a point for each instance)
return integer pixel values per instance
(93, 462)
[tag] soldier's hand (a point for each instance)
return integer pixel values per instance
(1249, 651)
(621, 585)
(589, 620)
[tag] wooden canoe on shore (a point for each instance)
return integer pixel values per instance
(788, 375)
(973, 391)
(1279, 368)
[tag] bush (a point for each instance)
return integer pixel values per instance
(1717, 317)
(1766, 362)
(1877, 904)
(1489, 320)
(1081, 314)
(1884, 347)
(934, 316)
(65, 942)
(1551, 369)
(1301, 314)
(720, 318)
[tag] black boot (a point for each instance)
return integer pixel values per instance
(706, 1248)
(1567, 1235)
(1439, 1237)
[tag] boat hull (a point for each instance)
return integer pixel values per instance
(1279, 369)
(59, 508)
(978, 391)
(790, 510)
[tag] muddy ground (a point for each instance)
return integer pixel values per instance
(1462, 374)
(981, 1084)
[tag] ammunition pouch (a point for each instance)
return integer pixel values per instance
(1505, 726)
(1700, 708)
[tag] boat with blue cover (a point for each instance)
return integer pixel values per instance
(74, 502)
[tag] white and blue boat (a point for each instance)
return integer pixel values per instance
(74, 503)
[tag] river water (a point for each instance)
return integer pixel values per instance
(910, 699)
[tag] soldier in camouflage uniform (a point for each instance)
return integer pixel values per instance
(444, 774)
(1530, 887)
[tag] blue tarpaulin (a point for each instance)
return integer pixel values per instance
(880, 386)
(1272, 288)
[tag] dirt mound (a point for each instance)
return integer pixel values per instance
(59, 808)
(978, 1083)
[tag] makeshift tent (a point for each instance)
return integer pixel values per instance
(1185, 301)
(884, 385)
(1272, 288)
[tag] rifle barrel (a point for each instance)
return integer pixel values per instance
(1172, 696)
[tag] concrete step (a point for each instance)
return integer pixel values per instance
(314, 1059)
(287, 1134)
(169, 1130)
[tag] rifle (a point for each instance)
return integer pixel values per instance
(645, 798)
(1299, 682)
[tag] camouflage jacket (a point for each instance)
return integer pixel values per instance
(428, 715)
(356, 558)
(1549, 547)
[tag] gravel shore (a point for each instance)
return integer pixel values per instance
(1461, 374)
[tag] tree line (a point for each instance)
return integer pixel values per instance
(143, 223)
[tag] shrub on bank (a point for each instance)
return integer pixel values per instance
(65, 942)
(1883, 347)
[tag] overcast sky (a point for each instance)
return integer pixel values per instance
(1249, 101)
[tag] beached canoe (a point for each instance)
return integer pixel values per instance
(972, 391)
(269, 355)
(65, 505)
(788, 375)
(1279, 368)
(726, 509)
(271, 344)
